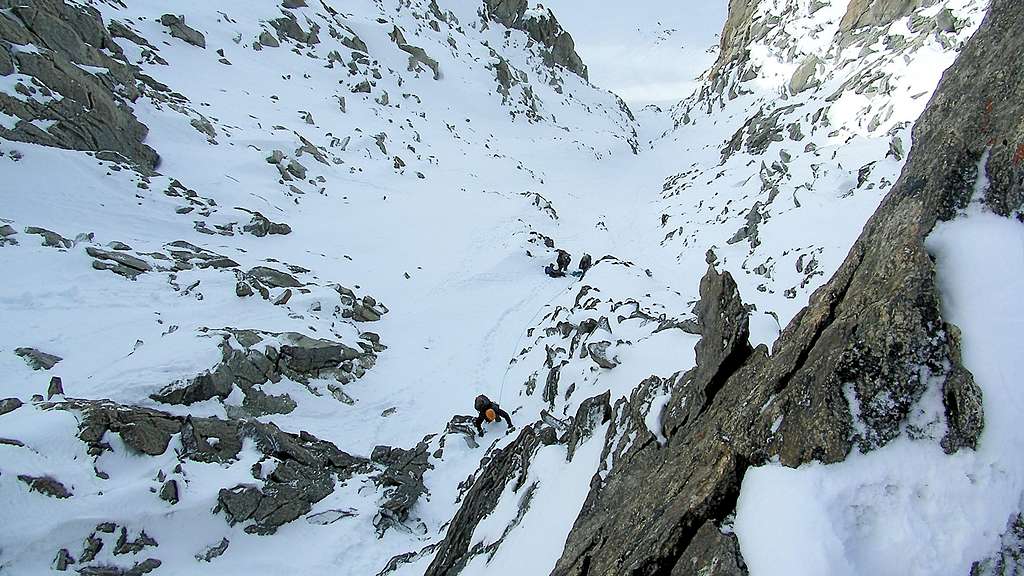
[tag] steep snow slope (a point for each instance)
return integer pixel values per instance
(422, 191)
(427, 156)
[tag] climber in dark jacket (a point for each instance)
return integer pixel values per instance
(550, 270)
(563, 260)
(489, 411)
(585, 263)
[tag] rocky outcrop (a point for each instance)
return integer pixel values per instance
(804, 77)
(67, 103)
(118, 262)
(45, 485)
(251, 358)
(9, 405)
(510, 464)
(848, 370)
(261, 226)
(542, 26)
(37, 359)
(866, 13)
(103, 537)
(50, 238)
(302, 468)
(305, 474)
(737, 34)
(1009, 559)
(287, 27)
(176, 25)
(402, 481)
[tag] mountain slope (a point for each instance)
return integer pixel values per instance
(285, 246)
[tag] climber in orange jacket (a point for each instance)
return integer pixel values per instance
(489, 411)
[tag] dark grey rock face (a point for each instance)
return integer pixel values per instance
(169, 491)
(561, 49)
(591, 414)
(510, 465)
(712, 552)
(87, 111)
(62, 560)
(305, 474)
(402, 480)
(56, 387)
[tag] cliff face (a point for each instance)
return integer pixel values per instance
(542, 26)
(61, 100)
(860, 344)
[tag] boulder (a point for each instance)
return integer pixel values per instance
(261, 226)
(243, 290)
(126, 546)
(9, 405)
(169, 491)
(63, 560)
(296, 169)
(598, 352)
(180, 30)
(288, 27)
(36, 359)
(45, 485)
(50, 238)
(7, 234)
(273, 278)
(137, 265)
(267, 39)
(213, 551)
(804, 76)
(56, 388)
